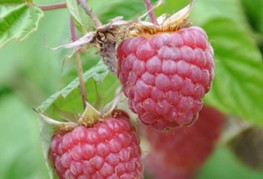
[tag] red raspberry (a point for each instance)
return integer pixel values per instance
(166, 75)
(159, 170)
(187, 148)
(109, 149)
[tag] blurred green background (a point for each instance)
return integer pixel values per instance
(30, 72)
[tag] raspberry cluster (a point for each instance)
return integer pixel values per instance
(165, 71)
(166, 75)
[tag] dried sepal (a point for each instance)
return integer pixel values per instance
(58, 124)
(106, 39)
(83, 41)
(181, 18)
(161, 18)
(108, 108)
(173, 23)
(90, 116)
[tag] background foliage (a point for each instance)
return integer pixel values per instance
(30, 72)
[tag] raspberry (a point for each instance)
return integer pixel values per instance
(187, 148)
(165, 75)
(109, 149)
(159, 170)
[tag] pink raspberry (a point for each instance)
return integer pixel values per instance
(187, 148)
(109, 149)
(166, 75)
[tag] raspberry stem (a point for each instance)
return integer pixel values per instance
(73, 32)
(149, 8)
(53, 6)
(79, 65)
(90, 13)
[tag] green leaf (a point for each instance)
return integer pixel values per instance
(254, 12)
(73, 8)
(237, 87)
(14, 1)
(21, 156)
(34, 62)
(170, 7)
(18, 21)
(69, 99)
(204, 11)
(223, 165)
(66, 103)
(107, 10)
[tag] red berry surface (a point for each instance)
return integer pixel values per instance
(107, 150)
(166, 75)
(157, 169)
(187, 148)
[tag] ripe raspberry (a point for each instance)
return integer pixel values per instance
(109, 149)
(187, 148)
(165, 75)
(159, 170)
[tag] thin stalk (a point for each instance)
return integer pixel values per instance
(149, 8)
(90, 13)
(53, 6)
(79, 66)
(81, 80)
